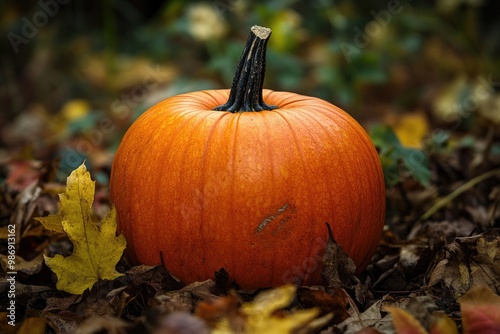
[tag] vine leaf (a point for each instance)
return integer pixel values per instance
(96, 248)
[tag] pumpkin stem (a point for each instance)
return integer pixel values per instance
(246, 89)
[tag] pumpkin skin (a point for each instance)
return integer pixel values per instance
(198, 189)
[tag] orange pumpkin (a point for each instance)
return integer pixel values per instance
(247, 185)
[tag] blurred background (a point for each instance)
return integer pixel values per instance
(419, 75)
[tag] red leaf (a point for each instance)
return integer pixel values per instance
(480, 311)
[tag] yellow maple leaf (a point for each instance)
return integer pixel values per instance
(75, 202)
(52, 222)
(260, 319)
(96, 248)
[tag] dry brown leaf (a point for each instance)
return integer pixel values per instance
(99, 324)
(24, 207)
(214, 310)
(61, 304)
(468, 262)
(185, 298)
(335, 302)
(63, 322)
(338, 267)
(371, 317)
(28, 267)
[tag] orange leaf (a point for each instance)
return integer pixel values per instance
(443, 325)
(404, 322)
(480, 311)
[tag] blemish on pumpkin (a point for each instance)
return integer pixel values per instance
(269, 219)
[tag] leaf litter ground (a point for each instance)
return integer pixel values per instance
(441, 240)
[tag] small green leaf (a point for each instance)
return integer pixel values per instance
(399, 162)
(383, 136)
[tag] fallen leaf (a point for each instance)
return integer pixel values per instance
(443, 325)
(398, 161)
(480, 311)
(96, 248)
(24, 292)
(75, 109)
(468, 262)
(309, 297)
(33, 325)
(404, 322)
(24, 206)
(411, 128)
(447, 105)
(5, 327)
(338, 267)
(185, 298)
(22, 174)
(368, 331)
(63, 322)
(214, 310)
(222, 282)
(335, 302)
(28, 267)
(61, 304)
(119, 298)
(259, 316)
(489, 102)
(54, 222)
(157, 276)
(73, 207)
(101, 324)
(181, 323)
(370, 317)
(422, 308)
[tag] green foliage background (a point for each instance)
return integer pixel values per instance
(373, 59)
